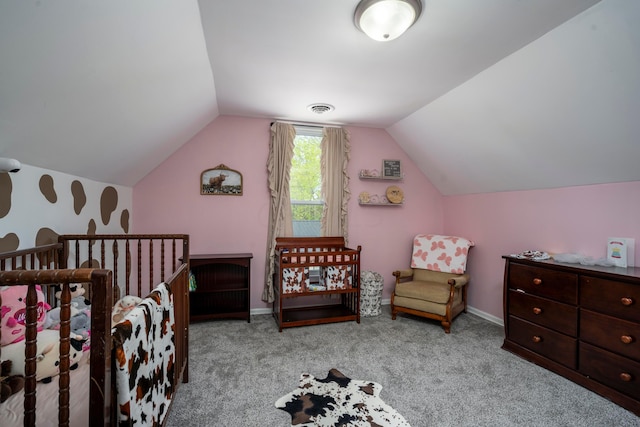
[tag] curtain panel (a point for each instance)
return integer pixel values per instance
(336, 151)
(278, 169)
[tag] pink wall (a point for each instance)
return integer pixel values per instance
(564, 220)
(574, 219)
(168, 200)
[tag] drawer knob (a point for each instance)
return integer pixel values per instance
(536, 339)
(537, 281)
(626, 339)
(626, 377)
(537, 310)
(626, 301)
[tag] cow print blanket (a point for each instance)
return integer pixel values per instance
(338, 401)
(144, 360)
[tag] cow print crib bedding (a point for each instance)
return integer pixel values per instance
(145, 355)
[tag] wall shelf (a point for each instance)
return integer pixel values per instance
(393, 192)
(380, 178)
(381, 204)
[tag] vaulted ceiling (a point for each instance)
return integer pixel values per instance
(485, 96)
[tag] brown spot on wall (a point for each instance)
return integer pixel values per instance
(79, 196)
(108, 203)
(46, 236)
(6, 187)
(124, 220)
(91, 229)
(9, 243)
(47, 189)
(93, 264)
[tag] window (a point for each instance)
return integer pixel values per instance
(306, 183)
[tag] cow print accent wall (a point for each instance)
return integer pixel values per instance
(11, 208)
(6, 187)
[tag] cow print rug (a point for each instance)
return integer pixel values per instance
(338, 401)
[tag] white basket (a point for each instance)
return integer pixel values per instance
(371, 284)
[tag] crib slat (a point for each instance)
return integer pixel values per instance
(30, 356)
(63, 381)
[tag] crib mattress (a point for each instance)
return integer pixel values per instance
(12, 410)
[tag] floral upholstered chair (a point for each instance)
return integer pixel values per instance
(435, 286)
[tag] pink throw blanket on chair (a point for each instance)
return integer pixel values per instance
(440, 253)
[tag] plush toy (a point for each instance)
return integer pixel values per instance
(122, 307)
(76, 290)
(9, 384)
(77, 296)
(13, 312)
(47, 355)
(52, 320)
(81, 324)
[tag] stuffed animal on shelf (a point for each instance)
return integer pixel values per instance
(122, 307)
(9, 384)
(13, 312)
(47, 355)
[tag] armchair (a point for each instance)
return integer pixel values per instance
(435, 286)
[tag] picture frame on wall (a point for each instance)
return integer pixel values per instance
(391, 169)
(221, 181)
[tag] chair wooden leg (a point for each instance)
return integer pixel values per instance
(464, 298)
(447, 326)
(393, 308)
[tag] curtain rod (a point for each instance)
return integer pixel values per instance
(307, 124)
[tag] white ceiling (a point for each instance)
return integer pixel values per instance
(508, 94)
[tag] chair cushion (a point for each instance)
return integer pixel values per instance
(420, 275)
(440, 253)
(421, 305)
(427, 291)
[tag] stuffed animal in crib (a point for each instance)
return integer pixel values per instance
(81, 324)
(123, 306)
(53, 317)
(9, 384)
(13, 312)
(47, 355)
(77, 296)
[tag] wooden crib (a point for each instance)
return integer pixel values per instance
(108, 266)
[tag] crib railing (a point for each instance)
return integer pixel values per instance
(100, 283)
(138, 261)
(107, 265)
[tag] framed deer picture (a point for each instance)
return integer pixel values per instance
(221, 181)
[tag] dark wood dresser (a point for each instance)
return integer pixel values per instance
(581, 322)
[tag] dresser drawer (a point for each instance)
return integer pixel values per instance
(618, 336)
(610, 369)
(618, 299)
(556, 285)
(550, 344)
(545, 312)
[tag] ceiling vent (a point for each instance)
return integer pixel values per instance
(320, 108)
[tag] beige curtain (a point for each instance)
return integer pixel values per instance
(280, 223)
(336, 151)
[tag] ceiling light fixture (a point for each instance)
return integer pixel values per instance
(9, 165)
(385, 20)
